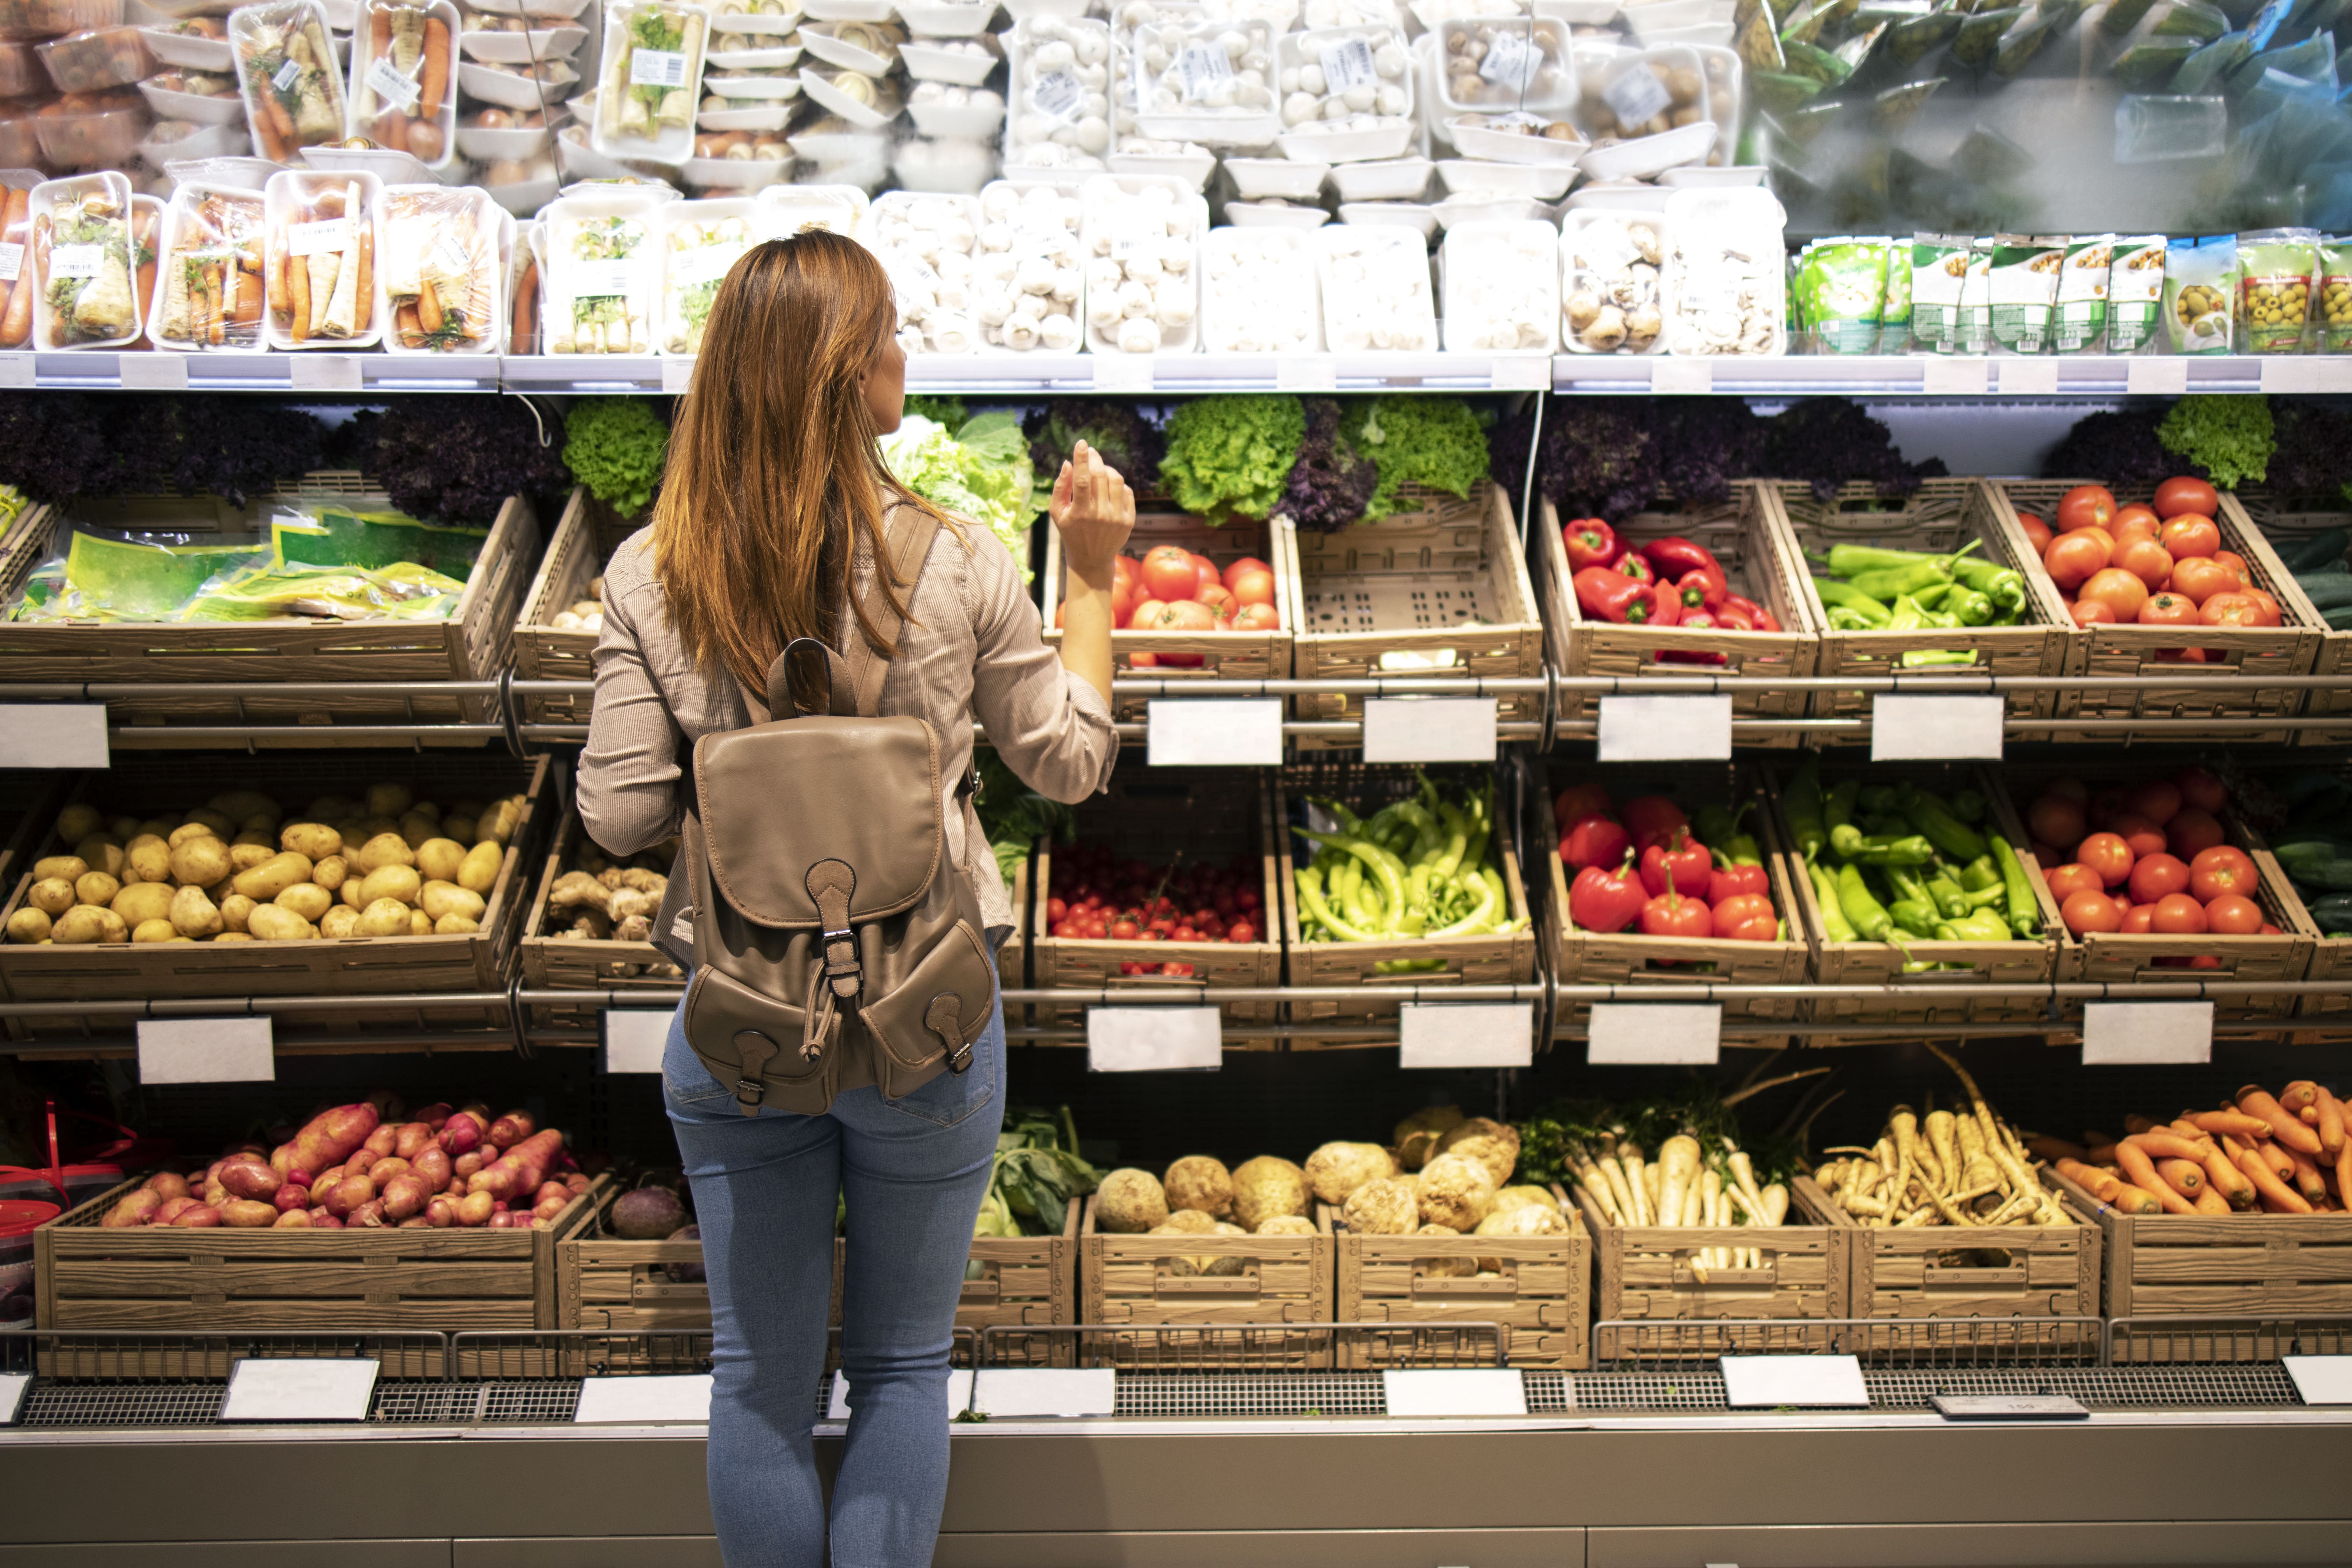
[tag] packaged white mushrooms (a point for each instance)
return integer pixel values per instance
(1725, 259)
(1347, 93)
(1258, 292)
(1612, 266)
(1059, 114)
(1196, 78)
(929, 244)
(1141, 237)
(1502, 286)
(1375, 283)
(1028, 283)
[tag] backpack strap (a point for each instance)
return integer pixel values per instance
(909, 544)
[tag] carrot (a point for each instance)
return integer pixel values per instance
(428, 307)
(2140, 1172)
(2344, 1177)
(280, 301)
(2308, 1181)
(2235, 1122)
(2042, 1147)
(41, 275)
(403, 323)
(2100, 1154)
(2223, 1176)
(2186, 1177)
(12, 203)
(437, 69)
(2137, 1124)
(2299, 1094)
(2285, 1126)
(378, 32)
(2096, 1183)
(2210, 1202)
(2134, 1201)
(366, 252)
(2168, 1146)
(2331, 1124)
(2276, 1195)
(525, 301)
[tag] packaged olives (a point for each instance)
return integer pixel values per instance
(2274, 271)
(2335, 282)
(2079, 323)
(1939, 273)
(2021, 286)
(1840, 285)
(2200, 277)
(2134, 292)
(1894, 315)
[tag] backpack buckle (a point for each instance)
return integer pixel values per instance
(754, 1050)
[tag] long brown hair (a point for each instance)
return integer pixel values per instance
(773, 467)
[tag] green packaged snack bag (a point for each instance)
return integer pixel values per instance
(2022, 289)
(2079, 324)
(1841, 285)
(2274, 272)
(1939, 270)
(2336, 294)
(2200, 276)
(2134, 292)
(1894, 314)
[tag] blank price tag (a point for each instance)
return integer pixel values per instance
(205, 1050)
(300, 1389)
(152, 371)
(1954, 376)
(1681, 377)
(1466, 1034)
(643, 1400)
(2157, 376)
(325, 373)
(52, 735)
(2028, 377)
(15, 370)
(1194, 731)
(2321, 1379)
(1046, 1391)
(1307, 373)
(1655, 1034)
(1488, 1392)
(2009, 1407)
(1764, 1382)
(1665, 729)
(678, 376)
(1122, 372)
(959, 1396)
(1935, 729)
(1429, 730)
(1152, 1039)
(2146, 1033)
(14, 1387)
(2291, 374)
(634, 1039)
(1520, 372)
(2332, 372)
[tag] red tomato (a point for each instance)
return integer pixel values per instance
(2181, 656)
(1206, 573)
(2145, 559)
(2144, 836)
(2090, 613)
(2135, 518)
(2190, 533)
(1241, 931)
(2232, 915)
(2237, 565)
(1125, 929)
(1247, 564)
(2202, 789)
(2086, 506)
(2185, 495)
(2108, 858)
(2154, 876)
(2178, 914)
(2068, 788)
(2048, 855)
(2191, 832)
(1169, 572)
(1254, 586)
(2122, 593)
(1220, 600)
(2105, 807)
(2199, 578)
(1188, 616)
(2222, 869)
(2229, 610)
(2037, 530)
(2168, 609)
(2157, 800)
(1580, 800)
(1143, 615)
(2271, 614)
(2086, 912)
(2139, 919)
(1746, 917)
(1257, 619)
(2068, 879)
(2072, 558)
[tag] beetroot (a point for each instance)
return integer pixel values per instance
(647, 1213)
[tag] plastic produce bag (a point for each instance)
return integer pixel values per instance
(403, 591)
(337, 536)
(116, 577)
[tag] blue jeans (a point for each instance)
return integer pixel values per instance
(913, 1171)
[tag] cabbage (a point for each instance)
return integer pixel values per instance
(981, 471)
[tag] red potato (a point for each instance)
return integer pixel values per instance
(213, 1170)
(245, 1214)
(290, 1197)
(462, 1133)
(577, 1180)
(348, 1194)
(463, 1167)
(475, 1209)
(502, 1221)
(405, 1196)
(432, 1115)
(215, 1194)
(442, 1211)
(250, 1178)
(292, 1219)
(385, 1169)
(173, 1209)
(170, 1183)
(414, 1222)
(383, 1141)
(329, 1138)
(413, 1136)
(135, 1209)
(511, 1129)
(546, 1209)
(204, 1217)
(432, 1163)
(298, 1177)
(520, 1169)
(281, 1159)
(361, 1159)
(550, 1190)
(369, 1216)
(322, 1220)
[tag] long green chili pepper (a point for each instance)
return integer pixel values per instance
(1837, 811)
(1968, 805)
(1310, 893)
(1980, 874)
(1844, 595)
(1908, 883)
(1862, 911)
(1917, 918)
(1386, 867)
(1929, 658)
(2024, 914)
(1800, 806)
(1893, 581)
(1941, 828)
(1739, 849)
(1947, 896)
(1913, 850)
(1998, 583)
(1982, 925)
(1852, 560)
(1906, 616)
(1835, 927)
(1877, 799)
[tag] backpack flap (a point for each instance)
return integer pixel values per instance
(935, 1012)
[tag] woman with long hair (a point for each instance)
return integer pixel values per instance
(771, 524)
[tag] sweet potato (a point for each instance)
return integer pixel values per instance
(170, 1183)
(204, 1217)
(135, 1209)
(403, 1195)
(328, 1139)
(244, 1214)
(247, 1177)
(410, 1138)
(519, 1170)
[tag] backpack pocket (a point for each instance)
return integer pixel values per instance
(751, 1044)
(928, 1022)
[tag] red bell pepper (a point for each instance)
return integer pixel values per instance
(1704, 589)
(1763, 618)
(1613, 596)
(1632, 563)
(1731, 620)
(1679, 858)
(1747, 917)
(1732, 882)
(1698, 621)
(1675, 556)
(1590, 542)
(1652, 819)
(1578, 801)
(1670, 913)
(1595, 840)
(1604, 901)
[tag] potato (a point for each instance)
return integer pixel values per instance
(153, 930)
(383, 916)
(246, 856)
(459, 827)
(437, 860)
(249, 1176)
(332, 808)
(102, 853)
(384, 849)
(135, 1209)
(161, 826)
(331, 872)
(340, 922)
(274, 875)
(80, 926)
(500, 822)
(194, 914)
(419, 924)
(246, 1214)
(479, 873)
(148, 860)
(200, 862)
(240, 803)
(416, 830)
(143, 901)
(260, 838)
(388, 799)
(391, 882)
(68, 868)
(29, 925)
(96, 887)
(234, 936)
(292, 1219)
(117, 928)
(350, 892)
(306, 899)
(312, 838)
(79, 821)
(233, 911)
(52, 895)
(270, 922)
(440, 898)
(192, 828)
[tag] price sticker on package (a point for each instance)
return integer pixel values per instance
(1465, 1034)
(1635, 94)
(319, 237)
(1512, 61)
(11, 261)
(1935, 729)
(1203, 66)
(634, 1039)
(1429, 729)
(1348, 65)
(392, 85)
(656, 67)
(52, 734)
(2146, 1033)
(1655, 1034)
(1058, 95)
(1153, 1039)
(205, 1050)
(1665, 729)
(1213, 732)
(77, 260)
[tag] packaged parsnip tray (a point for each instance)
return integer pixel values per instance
(211, 281)
(403, 94)
(700, 241)
(651, 77)
(324, 292)
(286, 65)
(603, 271)
(441, 268)
(82, 260)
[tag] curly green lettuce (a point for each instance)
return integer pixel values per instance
(1418, 439)
(1231, 457)
(616, 447)
(980, 470)
(2231, 436)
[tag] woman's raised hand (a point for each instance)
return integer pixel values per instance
(1093, 509)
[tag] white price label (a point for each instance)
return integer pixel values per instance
(1018, 1391)
(1511, 61)
(299, 1389)
(392, 84)
(600, 279)
(634, 1039)
(959, 1396)
(1665, 729)
(16, 372)
(14, 1387)
(288, 74)
(1955, 375)
(711, 263)
(11, 261)
(1058, 95)
(2332, 372)
(1655, 1034)
(325, 373)
(2291, 374)
(1122, 372)
(205, 1050)
(1519, 373)
(1494, 1391)
(2036, 377)
(1636, 95)
(656, 67)
(1465, 1034)
(2009, 1407)
(1153, 1039)
(1681, 377)
(2321, 1379)
(1429, 729)
(152, 371)
(1202, 66)
(1766, 1382)
(2156, 375)
(643, 1400)
(1307, 373)
(75, 260)
(1192, 731)
(1348, 65)
(1935, 729)
(52, 734)
(319, 237)
(678, 376)
(2142, 1033)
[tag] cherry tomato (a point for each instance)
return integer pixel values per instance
(2155, 875)
(2054, 819)
(1241, 931)
(1125, 929)
(2191, 832)
(2115, 588)
(2202, 789)
(2144, 836)
(1253, 585)
(2090, 613)
(2185, 495)
(2167, 609)
(2190, 533)
(2072, 558)
(2222, 869)
(2229, 610)
(1257, 619)
(1246, 565)
(2086, 506)
(2074, 878)
(2178, 914)
(1169, 572)
(2108, 858)
(2087, 912)
(2158, 799)
(2139, 919)
(2145, 559)
(2036, 530)
(2232, 914)
(2199, 578)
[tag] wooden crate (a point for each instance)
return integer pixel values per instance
(584, 539)
(269, 1281)
(1629, 958)
(144, 786)
(1739, 530)
(1440, 590)
(1284, 1280)
(1645, 1275)
(474, 644)
(2221, 1266)
(2255, 654)
(1940, 515)
(1541, 1292)
(1164, 816)
(2284, 522)
(1222, 655)
(2040, 962)
(563, 964)
(29, 806)
(1508, 958)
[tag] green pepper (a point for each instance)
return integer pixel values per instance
(1948, 899)
(1853, 560)
(1917, 918)
(1896, 581)
(1941, 828)
(1845, 620)
(1980, 874)
(1862, 911)
(1386, 868)
(1835, 927)
(1887, 851)
(1877, 798)
(1979, 925)
(1998, 583)
(1927, 657)
(1739, 849)
(1800, 804)
(1846, 838)
(1968, 805)
(1906, 616)
(1845, 595)
(2024, 913)
(1310, 893)
(1973, 608)
(1715, 825)
(1907, 883)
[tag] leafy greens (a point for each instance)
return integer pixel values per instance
(980, 470)
(1036, 1177)
(1231, 457)
(1417, 439)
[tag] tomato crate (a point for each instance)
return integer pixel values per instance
(1740, 533)
(2023, 962)
(2238, 1265)
(2290, 526)
(1941, 515)
(597, 965)
(474, 644)
(1190, 656)
(1629, 959)
(572, 570)
(1167, 819)
(1440, 590)
(1538, 1287)
(1655, 1274)
(2256, 654)
(1496, 958)
(1280, 1285)
(145, 785)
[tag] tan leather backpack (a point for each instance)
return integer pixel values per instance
(834, 945)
